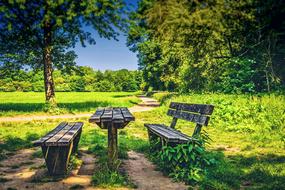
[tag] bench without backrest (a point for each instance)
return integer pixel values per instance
(58, 145)
(197, 113)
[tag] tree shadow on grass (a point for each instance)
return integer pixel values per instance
(122, 95)
(238, 171)
(11, 144)
(38, 107)
(262, 171)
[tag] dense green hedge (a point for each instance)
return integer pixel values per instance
(85, 79)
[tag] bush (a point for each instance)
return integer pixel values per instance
(184, 162)
(38, 86)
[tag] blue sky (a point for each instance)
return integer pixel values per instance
(107, 54)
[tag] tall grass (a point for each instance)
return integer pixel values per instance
(260, 116)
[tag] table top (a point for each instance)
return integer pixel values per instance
(116, 115)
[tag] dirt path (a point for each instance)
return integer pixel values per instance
(23, 171)
(144, 175)
(147, 104)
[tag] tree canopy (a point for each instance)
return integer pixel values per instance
(39, 33)
(213, 45)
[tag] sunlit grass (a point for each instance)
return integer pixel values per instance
(249, 150)
(14, 103)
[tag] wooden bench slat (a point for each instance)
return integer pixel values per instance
(170, 134)
(118, 116)
(53, 140)
(70, 135)
(199, 108)
(156, 129)
(127, 114)
(200, 119)
(96, 116)
(178, 133)
(50, 134)
(107, 115)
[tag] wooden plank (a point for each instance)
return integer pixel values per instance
(117, 116)
(168, 133)
(179, 136)
(53, 140)
(50, 134)
(199, 108)
(196, 118)
(127, 115)
(96, 117)
(107, 115)
(57, 158)
(70, 135)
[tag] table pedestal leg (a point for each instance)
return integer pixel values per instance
(112, 147)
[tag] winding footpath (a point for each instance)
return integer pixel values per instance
(22, 171)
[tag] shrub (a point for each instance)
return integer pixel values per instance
(184, 162)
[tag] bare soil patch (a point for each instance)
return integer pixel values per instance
(23, 171)
(145, 176)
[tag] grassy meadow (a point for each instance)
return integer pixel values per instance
(247, 132)
(15, 103)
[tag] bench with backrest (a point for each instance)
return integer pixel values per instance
(197, 113)
(58, 145)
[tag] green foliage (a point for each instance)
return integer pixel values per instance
(209, 45)
(85, 79)
(40, 34)
(185, 162)
(106, 177)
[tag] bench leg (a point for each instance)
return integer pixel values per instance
(75, 142)
(154, 141)
(112, 147)
(57, 158)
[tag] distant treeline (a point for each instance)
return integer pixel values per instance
(83, 79)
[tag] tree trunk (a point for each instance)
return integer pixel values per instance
(49, 84)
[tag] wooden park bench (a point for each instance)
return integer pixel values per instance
(197, 113)
(58, 145)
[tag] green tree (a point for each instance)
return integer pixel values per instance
(40, 32)
(185, 44)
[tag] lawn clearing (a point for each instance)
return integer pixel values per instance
(15, 103)
(247, 140)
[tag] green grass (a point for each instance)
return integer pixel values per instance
(12, 103)
(247, 140)
(249, 131)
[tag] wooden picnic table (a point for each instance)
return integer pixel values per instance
(112, 119)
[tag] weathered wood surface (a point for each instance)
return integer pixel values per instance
(112, 119)
(58, 145)
(49, 135)
(62, 135)
(198, 108)
(196, 118)
(105, 117)
(171, 135)
(112, 147)
(196, 113)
